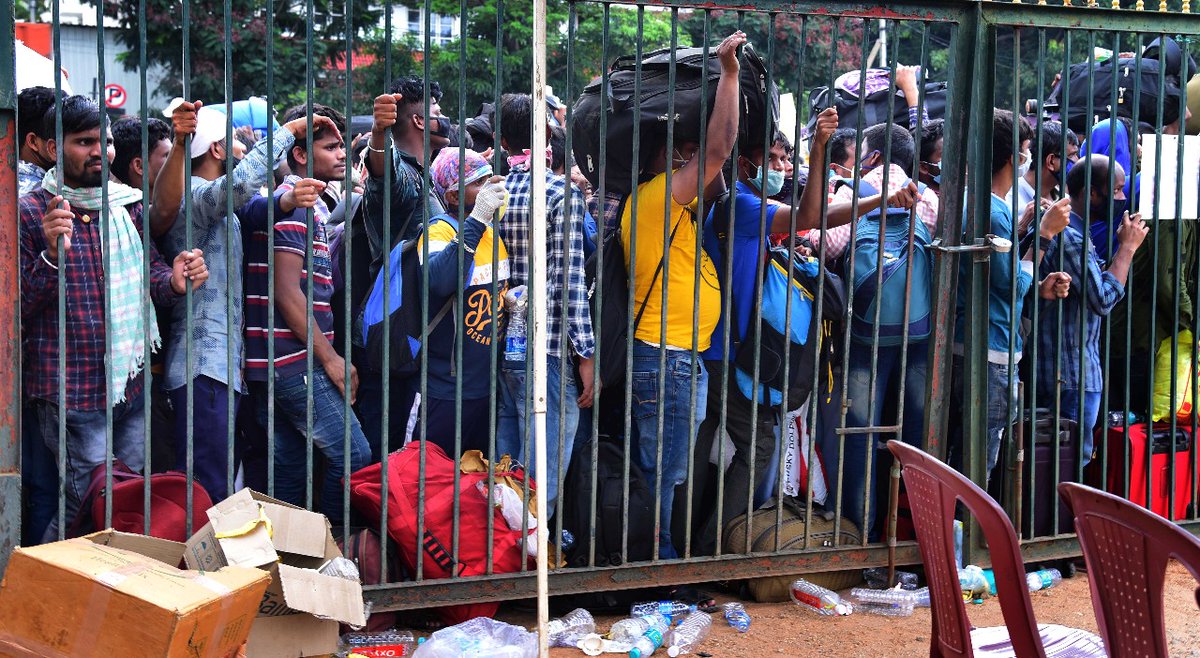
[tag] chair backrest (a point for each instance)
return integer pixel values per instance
(1127, 549)
(933, 488)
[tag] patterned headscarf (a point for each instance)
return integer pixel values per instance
(445, 168)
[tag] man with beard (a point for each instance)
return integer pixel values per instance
(105, 289)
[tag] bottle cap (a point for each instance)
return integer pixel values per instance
(674, 651)
(843, 609)
(591, 644)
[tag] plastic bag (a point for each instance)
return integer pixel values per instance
(481, 637)
(1184, 375)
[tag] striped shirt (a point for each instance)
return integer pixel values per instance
(291, 237)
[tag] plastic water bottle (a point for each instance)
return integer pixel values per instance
(672, 609)
(736, 615)
(651, 641)
(922, 596)
(888, 602)
(818, 599)
(689, 634)
(1044, 579)
(383, 643)
(958, 541)
(628, 630)
(515, 301)
(565, 632)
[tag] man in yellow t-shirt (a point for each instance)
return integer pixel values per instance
(662, 244)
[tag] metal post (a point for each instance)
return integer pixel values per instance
(537, 281)
(10, 299)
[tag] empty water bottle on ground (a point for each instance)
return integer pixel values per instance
(651, 641)
(628, 630)
(819, 599)
(382, 643)
(888, 602)
(922, 596)
(736, 615)
(515, 302)
(1044, 579)
(673, 609)
(689, 634)
(567, 630)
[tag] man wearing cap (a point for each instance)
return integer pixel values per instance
(215, 325)
(475, 198)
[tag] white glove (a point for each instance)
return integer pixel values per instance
(493, 197)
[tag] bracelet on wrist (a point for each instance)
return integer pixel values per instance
(1044, 243)
(375, 150)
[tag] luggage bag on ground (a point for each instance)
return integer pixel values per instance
(1162, 451)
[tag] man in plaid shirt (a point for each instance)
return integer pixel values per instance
(90, 269)
(566, 294)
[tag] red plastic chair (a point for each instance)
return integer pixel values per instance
(933, 489)
(1127, 549)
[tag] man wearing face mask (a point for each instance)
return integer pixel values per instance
(930, 169)
(1093, 294)
(737, 241)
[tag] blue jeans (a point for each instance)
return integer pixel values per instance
(510, 432)
(853, 473)
(291, 446)
(682, 416)
(39, 478)
(210, 433)
(1001, 411)
(1069, 399)
(86, 441)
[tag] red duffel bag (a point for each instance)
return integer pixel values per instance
(168, 504)
(436, 543)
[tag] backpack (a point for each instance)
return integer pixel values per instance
(1095, 82)
(403, 313)
(874, 106)
(758, 107)
(168, 504)
(890, 294)
(611, 507)
(435, 546)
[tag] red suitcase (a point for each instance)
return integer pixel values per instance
(1161, 449)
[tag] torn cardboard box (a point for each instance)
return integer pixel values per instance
(250, 529)
(116, 594)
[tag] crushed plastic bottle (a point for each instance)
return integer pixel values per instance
(672, 609)
(689, 634)
(481, 637)
(922, 596)
(888, 602)
(628, 630)
(1044, 579)
(375, 645)
(515, 303)
(567, 630)
(651, 641)
(819, 599)
(736, 615)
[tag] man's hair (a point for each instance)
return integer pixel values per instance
(127, 140)
(298, 112)
(32, 104)
(412, 88)
(880, 138)
(777, 139)
(558, 148)
(516, 121)
(1054, 136)
(1099, 166)
(931, 132)
(79, 114)
(1003, 125)
(842, 142)
(783, 142)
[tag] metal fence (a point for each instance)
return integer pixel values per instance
(247, 406)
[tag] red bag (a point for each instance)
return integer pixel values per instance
(364, 549)
(436, 545)
(168, 504)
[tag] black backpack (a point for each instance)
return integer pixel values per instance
(874, 106)
(759, 109)
(1128, 77)
(611, 507)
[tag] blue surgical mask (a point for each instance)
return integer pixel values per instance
(774, 180)
(861, 164)
(937, 179)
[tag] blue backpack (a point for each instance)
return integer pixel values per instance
(403, 311)
(889, 295)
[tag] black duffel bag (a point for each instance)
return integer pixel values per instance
(874, 106)
(759, 110)
(1129, 76)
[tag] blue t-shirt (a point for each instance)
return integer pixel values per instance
(749, 248)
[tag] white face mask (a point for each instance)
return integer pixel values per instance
(1026, 161)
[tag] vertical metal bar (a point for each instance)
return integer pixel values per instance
(424, 383)
(347, 324)
(310, 230)
(233, 373)
(62, 282)
(537, 272)
(148, 313)
(107, 264)
(565, 362)
(270, 56)
(726, 364)
(1014, 257)
(385, 368)
(1036, 304)
(494, 366)
(1106, 336)
(189, 299)
(456, 521)
(10, 299)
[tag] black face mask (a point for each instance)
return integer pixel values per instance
(1099, 210)
(440, 127)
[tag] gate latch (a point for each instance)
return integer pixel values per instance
(980, 248)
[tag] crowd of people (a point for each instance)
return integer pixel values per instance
(234, 246)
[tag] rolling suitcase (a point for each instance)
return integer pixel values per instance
(1162, 451)
(1041, 499)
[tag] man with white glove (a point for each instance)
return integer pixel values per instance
(479, 198)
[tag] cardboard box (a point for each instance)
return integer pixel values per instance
(250, 529)
(115, 594)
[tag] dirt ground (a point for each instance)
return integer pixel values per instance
(783, 629)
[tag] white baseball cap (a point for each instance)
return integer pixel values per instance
(210, 127)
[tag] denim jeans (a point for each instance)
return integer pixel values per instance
(210, 433)
(39, 478)
(682, 417)
(86, 441)
(1001, 411)
(1069, 399)
(511, 437)
(853, 473)
(328, 430)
